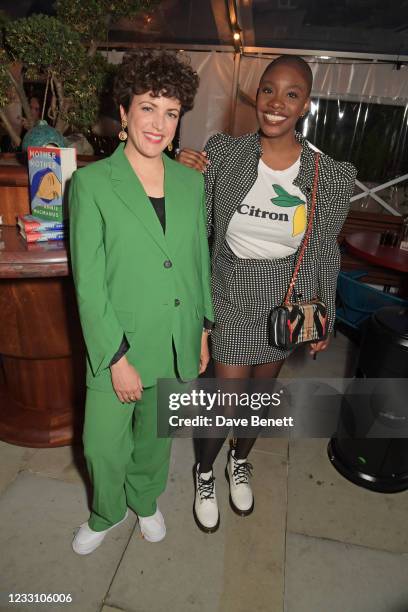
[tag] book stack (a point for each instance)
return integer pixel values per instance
(49, 169)
(33, 229)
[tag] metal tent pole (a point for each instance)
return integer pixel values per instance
(234, 92)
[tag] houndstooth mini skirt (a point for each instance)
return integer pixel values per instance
(244, 291)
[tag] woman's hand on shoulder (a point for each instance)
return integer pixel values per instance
(193, 159)
(126, 381)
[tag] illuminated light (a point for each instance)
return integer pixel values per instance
(237, 36)
(324, 56)
(305, 126)
(314, 107)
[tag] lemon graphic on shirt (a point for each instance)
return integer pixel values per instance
(286, 200)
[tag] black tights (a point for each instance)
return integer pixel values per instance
(210, 447)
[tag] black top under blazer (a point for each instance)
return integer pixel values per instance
(233, 171)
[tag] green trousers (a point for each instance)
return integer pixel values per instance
(127, 463)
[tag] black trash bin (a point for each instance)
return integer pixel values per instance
(379, 464)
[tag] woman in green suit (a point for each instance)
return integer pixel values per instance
(141, 270)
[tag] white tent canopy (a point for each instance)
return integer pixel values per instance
(337, 79)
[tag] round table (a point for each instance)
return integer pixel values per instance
(366, 245)
(42, 367)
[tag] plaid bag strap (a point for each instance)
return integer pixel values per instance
(307, 235)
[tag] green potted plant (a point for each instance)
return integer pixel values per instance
(61, 51)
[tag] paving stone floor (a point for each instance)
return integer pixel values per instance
(315, 542)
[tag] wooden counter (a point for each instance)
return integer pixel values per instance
(18, 259)
(42, 352)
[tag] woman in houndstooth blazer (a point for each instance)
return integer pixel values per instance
(253, 259)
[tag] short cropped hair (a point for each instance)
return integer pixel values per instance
(164, 73)
(298, 62)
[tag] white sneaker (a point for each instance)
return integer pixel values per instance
(238, 472)
(87, 540)
(152, 527)
(205, 508)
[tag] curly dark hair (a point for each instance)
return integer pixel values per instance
(162, 72)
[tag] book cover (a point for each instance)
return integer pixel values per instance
(42, 236)
(29, 223)
(49, 168)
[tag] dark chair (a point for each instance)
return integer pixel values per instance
(357, 301)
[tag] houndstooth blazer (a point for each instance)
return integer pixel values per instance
(232, 172)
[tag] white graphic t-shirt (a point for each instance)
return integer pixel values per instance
(271, 221)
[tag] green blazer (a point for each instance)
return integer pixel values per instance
(133, 279)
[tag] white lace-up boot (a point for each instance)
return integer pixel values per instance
(238, 473)
(205, 509)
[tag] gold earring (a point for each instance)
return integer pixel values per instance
(122, 134)
(170, 147)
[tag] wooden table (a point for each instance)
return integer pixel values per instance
(42, 363)
(366, 245)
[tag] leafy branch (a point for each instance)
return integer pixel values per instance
(62, 51)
